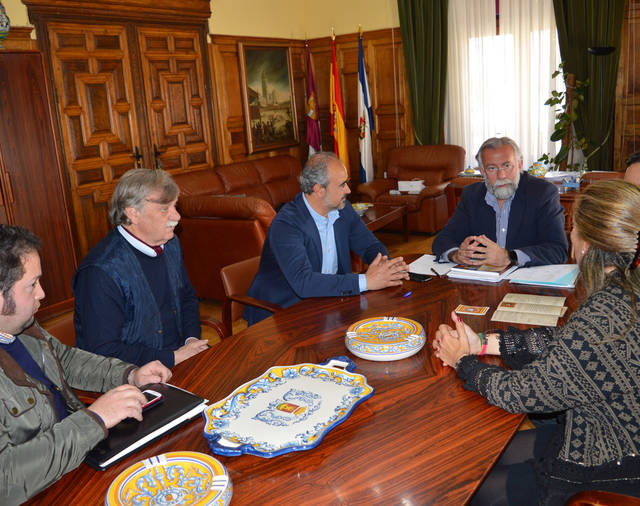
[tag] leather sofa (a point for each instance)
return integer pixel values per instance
(226, 212)
(436, 165)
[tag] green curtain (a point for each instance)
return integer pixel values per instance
(583, 24)
(423, 25)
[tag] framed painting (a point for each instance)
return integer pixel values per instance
(267, 96)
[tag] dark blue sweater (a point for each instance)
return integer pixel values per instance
(111, 321)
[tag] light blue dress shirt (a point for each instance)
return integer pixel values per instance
(328, 242)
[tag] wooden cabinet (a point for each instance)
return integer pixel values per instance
(627, 117)
(31, 188)
(132, 89)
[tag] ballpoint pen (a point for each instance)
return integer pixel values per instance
(435, 272)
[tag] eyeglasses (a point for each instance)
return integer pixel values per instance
(505, 167)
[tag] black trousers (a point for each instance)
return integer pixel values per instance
(512, 481)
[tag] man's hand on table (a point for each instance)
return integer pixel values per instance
(152, 372)
(122, 402)
(126, 401)
(383, 272)
(189, 349)
(480, 250)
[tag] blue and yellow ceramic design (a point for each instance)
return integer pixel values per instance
(175, 478)
(385, 338)
(288, 408)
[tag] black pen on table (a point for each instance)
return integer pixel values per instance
(435, 272)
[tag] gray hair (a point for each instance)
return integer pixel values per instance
(15, 244)
(498, 142)
(134, 187)
(316, 171)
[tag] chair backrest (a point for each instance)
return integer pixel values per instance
(236, 280)
(434, 163)
(62, 328)
(599, 175)
(601, 498)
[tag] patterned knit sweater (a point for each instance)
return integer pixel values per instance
(586, 371)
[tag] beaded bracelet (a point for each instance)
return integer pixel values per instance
(484, 340)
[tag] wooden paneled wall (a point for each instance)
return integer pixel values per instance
(627, 118)
(229, 117)
(387, 83)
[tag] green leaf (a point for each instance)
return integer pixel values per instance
(562, 154)
(557, 135)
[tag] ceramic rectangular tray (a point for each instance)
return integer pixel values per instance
(288, 408)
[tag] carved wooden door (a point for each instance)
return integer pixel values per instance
(176, 106)
(98, 119)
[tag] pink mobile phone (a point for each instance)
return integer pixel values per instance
(153, 399)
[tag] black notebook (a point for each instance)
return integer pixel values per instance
(177, 407)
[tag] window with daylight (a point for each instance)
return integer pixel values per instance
(499, 78)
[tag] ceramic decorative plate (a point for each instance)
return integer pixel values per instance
(385, 338)
(171, 479)
(288, 408)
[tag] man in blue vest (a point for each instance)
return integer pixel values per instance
(133, 299)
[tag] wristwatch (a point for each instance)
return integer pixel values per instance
(513, 257)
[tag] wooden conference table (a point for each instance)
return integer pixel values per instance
(420, 439)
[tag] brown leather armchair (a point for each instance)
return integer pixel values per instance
(62, 327)
(237, 279)
(219, 230)
(226, 212)
(436, 165)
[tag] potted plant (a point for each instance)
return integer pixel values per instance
(566, 115)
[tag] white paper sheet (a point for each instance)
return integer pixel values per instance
(560, 275)
(425, 263)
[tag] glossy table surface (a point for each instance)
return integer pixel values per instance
(420, 439)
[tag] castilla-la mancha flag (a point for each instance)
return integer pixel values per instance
(313, 125)
(365, 120)
(338, 130)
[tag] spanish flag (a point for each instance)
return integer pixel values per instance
(338, 130)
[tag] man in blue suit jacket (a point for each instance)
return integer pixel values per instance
(307, 250)
(511, 218)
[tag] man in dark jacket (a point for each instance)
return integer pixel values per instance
(45, 431)
(307, 250)
(133, 298)
(510, 218)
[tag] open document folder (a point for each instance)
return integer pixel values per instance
(560, 275)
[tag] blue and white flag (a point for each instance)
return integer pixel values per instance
(365, 121)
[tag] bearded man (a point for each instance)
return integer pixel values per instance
(510, 218)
